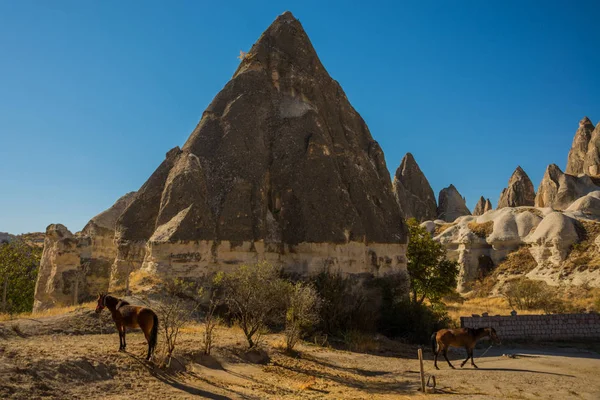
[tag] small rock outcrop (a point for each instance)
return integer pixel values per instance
(591, 165)
(520, 191)
(413, 192)
(580, 148)
(451, 204)
(73, 268)
(482, 206)
(558, 190)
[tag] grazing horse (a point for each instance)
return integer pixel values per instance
(462, 337)
(128, 316)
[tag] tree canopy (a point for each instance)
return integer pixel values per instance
(19, 264)
(432, 275)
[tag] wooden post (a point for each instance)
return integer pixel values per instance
(421, 370)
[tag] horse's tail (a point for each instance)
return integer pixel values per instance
(154, 332)
(433, 342)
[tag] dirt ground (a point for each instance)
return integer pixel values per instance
(75, 356)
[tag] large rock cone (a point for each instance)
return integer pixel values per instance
(280, 167)
(413, 192)
(558, 190)
(519, 192)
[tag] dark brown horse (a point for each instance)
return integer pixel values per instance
(462, 337)
(128, 316)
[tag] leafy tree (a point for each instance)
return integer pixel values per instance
(432, 275)
(19, 265)
(302, 313)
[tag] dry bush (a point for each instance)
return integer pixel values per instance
(255, 296)
(211, 320)
(439, 229)
(359, 342)
(532, 210)
(302, 313)
(482, 230)
(584, 255)
(526, 294)
(173, 314)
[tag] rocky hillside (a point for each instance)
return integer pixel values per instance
(281, 168)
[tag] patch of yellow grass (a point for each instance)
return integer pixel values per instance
(482, 230)
(492, 305)
(441, 228)
(51, 312)
(142, 279)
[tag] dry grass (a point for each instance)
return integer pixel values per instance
(482, 230)
(441, 228)
(51, 312)
(492, 305)
(532, 210)
(143, 280)
(584, 255)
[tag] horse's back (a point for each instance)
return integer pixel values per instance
(452, 337)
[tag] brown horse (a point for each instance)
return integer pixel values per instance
(128, 316)
(462, 337)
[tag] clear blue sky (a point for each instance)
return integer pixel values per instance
(93, 93)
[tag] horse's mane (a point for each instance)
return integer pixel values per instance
(117, 302)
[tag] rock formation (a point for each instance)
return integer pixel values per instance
(591, 165)
(74, 268)
(413, 192)
(482, 206)
(559, 190)
(280, 168)
(451, 204)
(488, 206)
(579, 149)
(6, 237)
(519, 192)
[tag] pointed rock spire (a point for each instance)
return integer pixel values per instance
(558, 190)
(479, 207)
(451, 204)
(580, 147)
(488, 206)
(413, 192)
(520, 191)
(591, 165)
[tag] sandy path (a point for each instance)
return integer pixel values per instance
(55, 365)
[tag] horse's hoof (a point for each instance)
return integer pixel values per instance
(475, 366)
(437, 368)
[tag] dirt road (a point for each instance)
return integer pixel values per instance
(59, 363)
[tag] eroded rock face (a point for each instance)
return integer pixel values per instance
(591, 165)
(479, 207)
(451, 204)
(488, 206)
(519, 192)
(413, 192)
(74, 268)
(579, 149)
(281, 167)
(559, 190)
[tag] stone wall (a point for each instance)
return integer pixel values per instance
(539, 327)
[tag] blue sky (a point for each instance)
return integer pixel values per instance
(93, 93)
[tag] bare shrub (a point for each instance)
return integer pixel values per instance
(211, 320)
(174, 313)
(255, 296)
(482, 230)
(302, 312)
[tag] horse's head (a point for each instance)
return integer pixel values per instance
(101, 302)
(493, 336)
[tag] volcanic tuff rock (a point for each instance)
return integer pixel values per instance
(73, 268)
(413, 192)
(488, 206)
(451, 204)
(559, 190)
(591, 165)
(579, 149)
(482, 206)
(519, 192)
(280, 167)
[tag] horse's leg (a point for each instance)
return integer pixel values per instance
(446, 357)
(435, 356)
(124, 343)
(469, 354)
(473, 361)
(120, 338)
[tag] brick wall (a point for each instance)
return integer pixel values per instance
(539, 327)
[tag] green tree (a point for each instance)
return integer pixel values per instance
(19, 265)
(432, 275)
